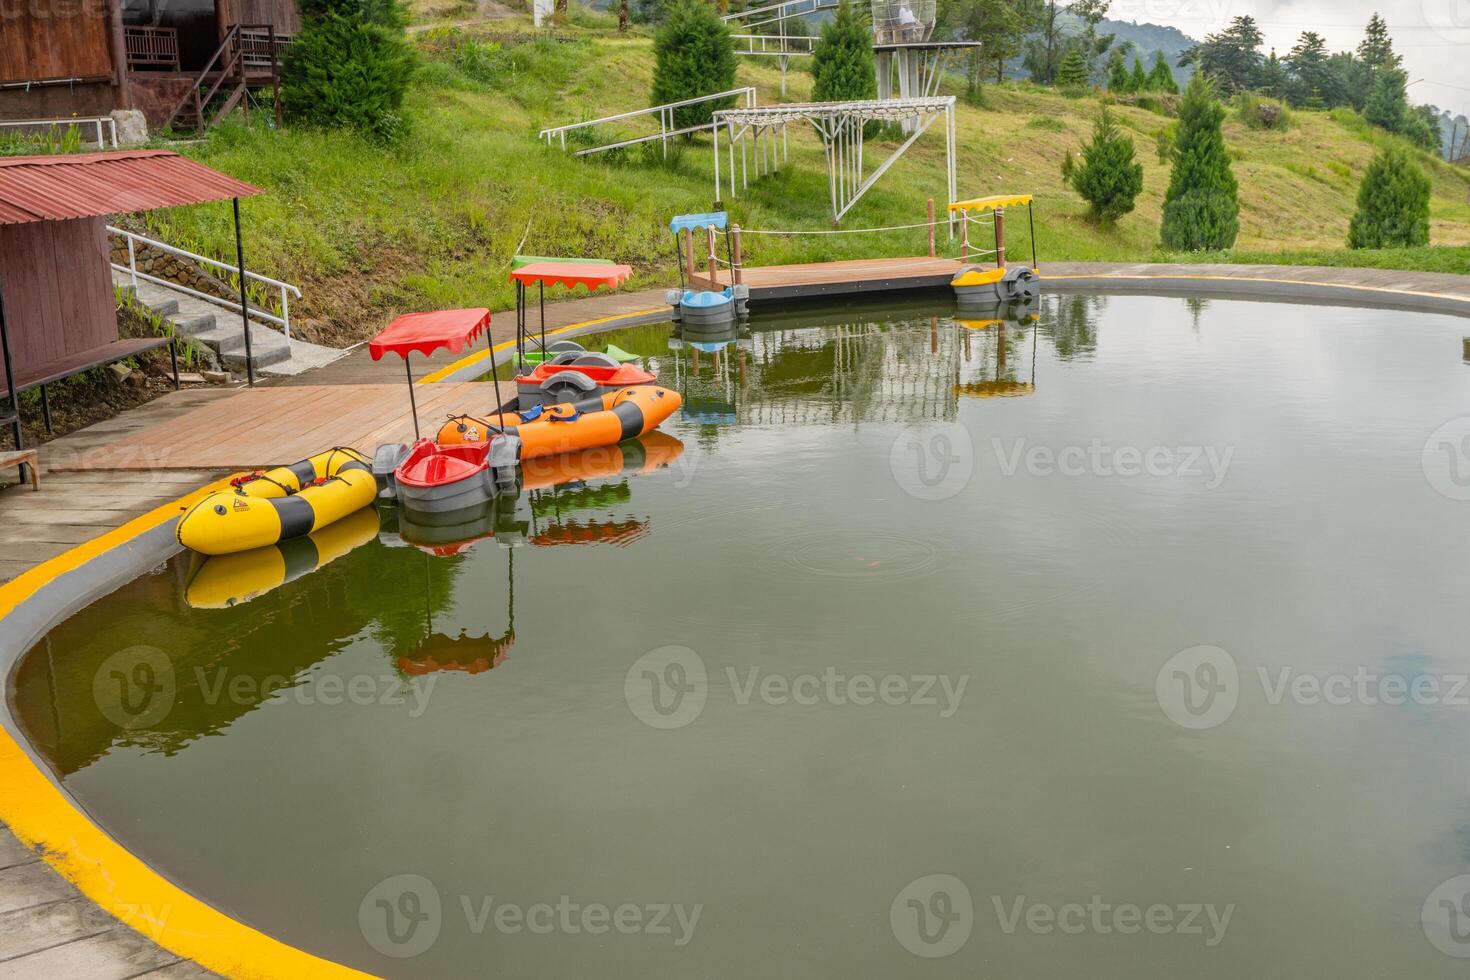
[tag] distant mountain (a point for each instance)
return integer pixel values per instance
(1146, 39)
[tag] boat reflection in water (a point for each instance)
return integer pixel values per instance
(554, 487)
(988, 365)
(222, 581)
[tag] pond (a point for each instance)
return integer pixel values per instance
(1119, 637)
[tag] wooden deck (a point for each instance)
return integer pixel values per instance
(257, 427)
(820, 279)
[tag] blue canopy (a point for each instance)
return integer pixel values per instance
(694, 222)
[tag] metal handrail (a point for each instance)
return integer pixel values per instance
(785, 44)
(665, 117)
(98, 121)
(286, 289)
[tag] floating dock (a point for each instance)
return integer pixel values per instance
(820, 280)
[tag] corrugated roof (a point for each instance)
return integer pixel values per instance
(88, 185)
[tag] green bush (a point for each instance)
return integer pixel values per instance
(842, 60)
(693, 56)
(1262, 112)
(1161, 77)
(1393, 204)
(1200, 208)
(349, 67)
(1107, 178)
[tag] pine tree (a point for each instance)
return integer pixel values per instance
(842, 59)
(1393, 204)
(1072, 72)
(1161, 78)
(1273, 80)
(694, 55)
(1117, 73)
(1200, 207)
(349, 67)
(1107, 178)
(1376, 49)
(1307, 63)
(1138, 78)
(1387, 105)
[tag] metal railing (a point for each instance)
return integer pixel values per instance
(103, 124)
(773, 45)
(665, 114)
(286, 290)
(776, 13)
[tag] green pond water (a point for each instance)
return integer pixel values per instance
(1125, 639)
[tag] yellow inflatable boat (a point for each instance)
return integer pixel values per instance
(282, 503)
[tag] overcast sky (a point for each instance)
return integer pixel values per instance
(1433, 36)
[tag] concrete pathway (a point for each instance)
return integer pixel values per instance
(50, 930)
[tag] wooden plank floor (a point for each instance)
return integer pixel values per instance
(815, 279)
(270, 426)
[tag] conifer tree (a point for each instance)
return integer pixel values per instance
(1107, 178)
(349, 67)
(1393, 204)
(1200, 208)
(694, 55)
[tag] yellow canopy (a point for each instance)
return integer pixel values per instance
(991, 203)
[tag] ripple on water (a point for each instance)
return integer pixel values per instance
(873, 555)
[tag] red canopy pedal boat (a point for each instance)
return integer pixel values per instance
(426, 476)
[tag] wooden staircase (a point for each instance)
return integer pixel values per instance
(247, 58)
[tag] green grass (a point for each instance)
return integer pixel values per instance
(370, 231)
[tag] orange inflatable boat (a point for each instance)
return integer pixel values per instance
(548, 430)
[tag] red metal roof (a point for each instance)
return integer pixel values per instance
(572, 274)
(427, 332)
(89, 185)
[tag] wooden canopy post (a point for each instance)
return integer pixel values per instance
(714, 259)
(931, 227)
(737, 256)
(244, 302)
(689, 251)
(1000, 237)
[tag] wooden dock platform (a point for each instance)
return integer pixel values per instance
(816, 280)
(262, 427)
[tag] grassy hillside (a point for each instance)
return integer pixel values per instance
(369, 231)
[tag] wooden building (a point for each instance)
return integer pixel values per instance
(179, 61)
(58, 313)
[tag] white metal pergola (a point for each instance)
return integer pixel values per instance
(840, 126)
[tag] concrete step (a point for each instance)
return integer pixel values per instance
(218, 329)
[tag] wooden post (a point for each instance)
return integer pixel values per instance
(714, 262)
(118, 43)
(931, 227)
(1000, 238)
(964, 236)
(275, 77)
(689, 251)
(737, 257)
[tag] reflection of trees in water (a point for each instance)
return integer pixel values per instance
(1070, 323)
(1195, 305)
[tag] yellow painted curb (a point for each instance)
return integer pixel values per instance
(44, 818)
(481, 355)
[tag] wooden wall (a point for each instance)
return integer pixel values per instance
(282, 13)
(57, 289)
(54, 39)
